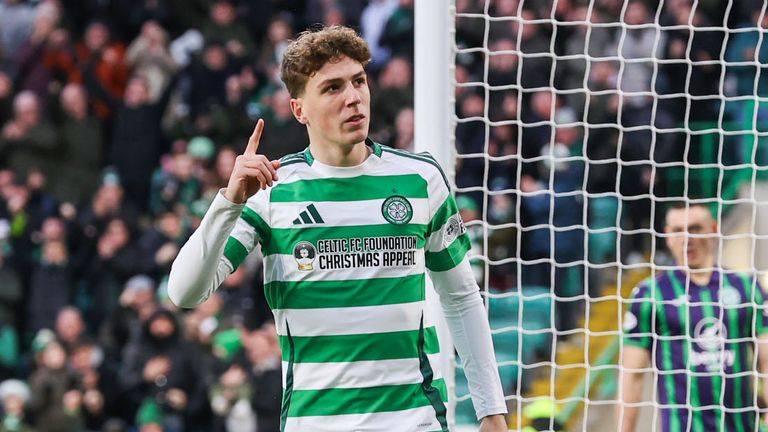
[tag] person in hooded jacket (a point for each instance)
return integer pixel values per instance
(159, 366)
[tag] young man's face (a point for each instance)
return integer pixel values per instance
(335, 104)
(696, 250)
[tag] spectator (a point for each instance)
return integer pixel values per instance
(504, 28)
(556, 212)
(637, 43)
(205, 80)
(744, 46)
(10, 299)
(230, 122)
(209, 314)
(334, 12)
(583, 38)
(469, 212)
(70, 328)
(242, 298)
(403, 135)
(149, 417)
(33, 74)
(602, 151)
(537, 114)
(162, 243)
(334, 16)
(603, 105)
(137, 303)
(136, 120)
(41, 204)
(28, 141)
(263, 352)
(231, 400)
(6, 97)
(104, 58)
(16, 20)
(502, 146)
(395, 91)
(14, 395)
(468, 31)
(108, 203)
(135, 14)
(285, 135)
(16, 215)
(279, 33)
(179, 186)
(56, 392)
(225, 163)
(115, 259)
(470, 138)
(76, 175)
(224, 27)
(50, 287)
(372, 21)
(683, 78)
(148, 56)
(536, 70)
(100, 389)
(502, 64)
(159, 366)
(399, 30)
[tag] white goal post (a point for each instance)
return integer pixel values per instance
(434, 121)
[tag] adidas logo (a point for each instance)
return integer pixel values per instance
(308, 216)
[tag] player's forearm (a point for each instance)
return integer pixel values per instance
(627, 413)
(762, 356)
(199, 268)
(629, 419)
(764, 376)
(762, 415)
(468, 324)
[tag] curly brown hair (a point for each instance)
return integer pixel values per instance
(314, 48)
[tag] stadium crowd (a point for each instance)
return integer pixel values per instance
(120, 120)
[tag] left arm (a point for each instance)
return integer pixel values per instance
(446, 259)
(468, 323)
(762, 356)
(761, 332)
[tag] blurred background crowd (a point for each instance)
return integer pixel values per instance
(120, 120)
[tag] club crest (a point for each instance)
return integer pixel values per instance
(397, 210)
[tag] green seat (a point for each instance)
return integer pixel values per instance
(535, 321)
(508, 313)
(9, 347)
(602, 214)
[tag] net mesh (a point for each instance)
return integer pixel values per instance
(578, 124)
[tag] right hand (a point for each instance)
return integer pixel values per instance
(155, 367)
(252, 171)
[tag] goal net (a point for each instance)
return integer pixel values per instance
(574, 126)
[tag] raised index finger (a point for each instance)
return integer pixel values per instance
(253, 141)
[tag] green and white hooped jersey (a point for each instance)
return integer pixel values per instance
(345, 252)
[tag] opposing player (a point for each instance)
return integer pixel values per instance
(347, 229)
(700, 325)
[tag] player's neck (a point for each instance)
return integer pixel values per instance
(339, 155)
(702, 275)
